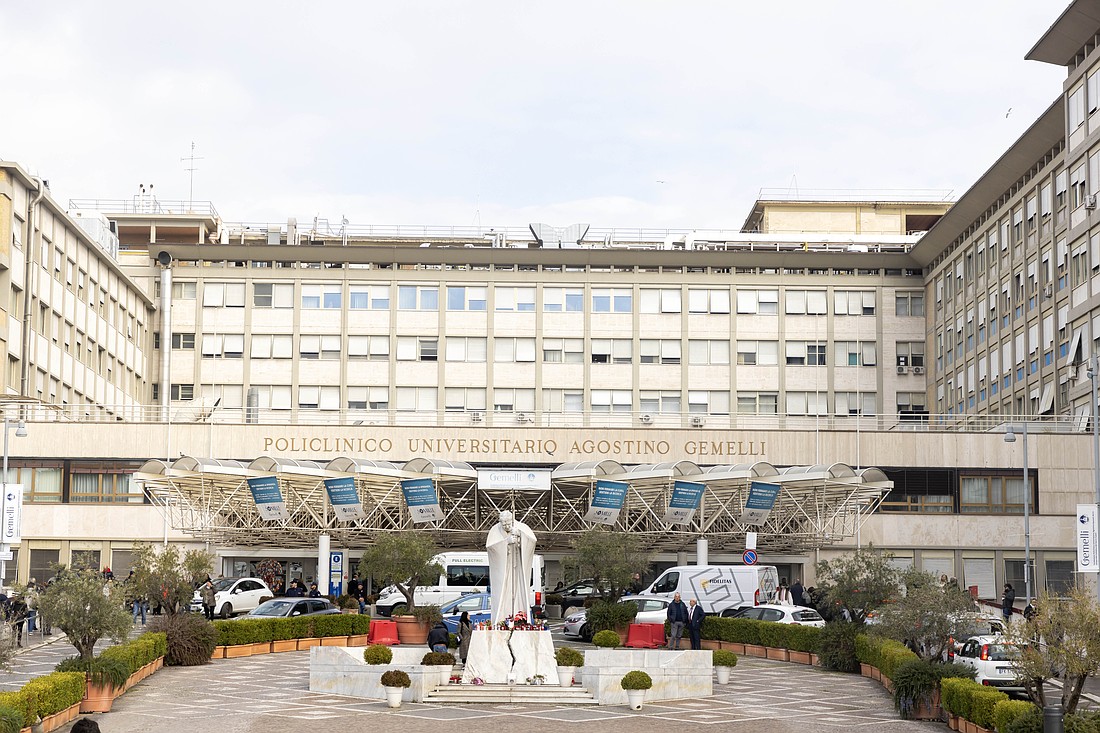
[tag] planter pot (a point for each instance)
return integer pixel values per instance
(97, 698)
(393, 696)
(52, 722)
(350, 611)
(335, 641)
(755, 650)
(634, 699)
(159, 662)
(865, 669)
(553, 612)
(967, 726)
(357, 640)
(815, 660)
(733, 646)
(723, 674)
(238, 650)
(261, 647)
(875, 674)
(799, 657)
(565, 676)
(952, 722)
(310, 642)
(284, 645)
(779, 655)
(929, 709)
(411, 631)
(710, 644)
(887, 683)
(219, 652)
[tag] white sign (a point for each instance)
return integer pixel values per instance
(1085, 529)
(750, 540)
(505, 479)
(7, 555)
(12, 514)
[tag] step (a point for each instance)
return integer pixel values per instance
(531, 694)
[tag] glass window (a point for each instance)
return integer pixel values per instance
(467, 576)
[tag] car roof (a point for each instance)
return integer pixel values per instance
(643, 597)
(989, 639)
(781, 607)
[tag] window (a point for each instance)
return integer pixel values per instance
(514, 299)
(222, 346)
(417, 348)
(805, 353)
(806, 302)
(855, 353)
(272, 346)
(659, 301)
(910, 353)
(373, 398)
(469, 349)
(563, 400)
(315, 297)
(909, 303)
(513, 350)
(762, 302)
(183, 392)
(369, 348)
(611, 400)
(312, 346)
(612, 351)
(806, 403)
(104, 485)
(855, 403)
(272, 295)
(1075, 108)
(183, 341)
(709, 402)
(854, 302)
(223, 295)
(708, 301)
(513, 400)
(558, 300)
(464, 298)
(41, 481)
(993, 494)
(1077, 185)
(757, 403)
(369, 297)
(1060, 188)
(318, 398)
(612, 300)
(417, 297)
(462, 399)
(659, 401)
(708, 352)
(272, 397)
(417, 399)
(761, 353)
(569, 351)
(180, 290)
(1059, 572)
(659, 351)
(911, 403)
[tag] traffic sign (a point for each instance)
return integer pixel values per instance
(749, 557)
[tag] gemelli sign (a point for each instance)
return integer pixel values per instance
(1085, 529)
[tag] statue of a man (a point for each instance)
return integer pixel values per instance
(511, 547)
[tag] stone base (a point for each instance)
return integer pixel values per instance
(676, 674)
(510, 657)
(341, 671)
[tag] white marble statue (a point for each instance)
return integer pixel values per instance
(511, 547)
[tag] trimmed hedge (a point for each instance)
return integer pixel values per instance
(1007, 711)
(45, 695)
(253, 631)
(982, 703)
(968, 699)
(885, 654)
(803, 638)
(762, 633)
(138, 652)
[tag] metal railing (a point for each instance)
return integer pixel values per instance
(896, 195)
(146, 205)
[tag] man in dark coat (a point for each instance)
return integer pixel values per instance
(695, 624)
(797, 593)
(438, 637)
(677, 616)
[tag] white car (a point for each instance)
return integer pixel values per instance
(235, 595)
(783, 614)
(993, 661)
(651, 610)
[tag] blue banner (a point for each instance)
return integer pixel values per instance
(344, 498)
(268, 498)
(607, 501)
(421, 499)
(686, 496)
(760, 502)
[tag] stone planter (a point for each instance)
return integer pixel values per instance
(634, 699)
(966, 726)
(779, 655)
(219, 652)
(358, 640)
(393, 696)
(97, 698)
(755, 650)
(565, 676)
(733, 646)
(261, 647)
(875, 674)
(238, 650)
(284, 645)
(410, 631)
(799, 657)
(335, 641)
(887, 683)
(815, 660)
(710, 644)
(553, 612)
(865, 670)
(723, 674)
(308, 643)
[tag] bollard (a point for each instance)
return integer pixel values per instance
(1052, 719)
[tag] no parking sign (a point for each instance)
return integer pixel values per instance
(336, 573)
(749, 557)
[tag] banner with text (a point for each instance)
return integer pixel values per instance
(268, 498)
(1087, 559)
(12, 514)
(344, 498)
(760, 503)
(607, 501)
(685, 500)
(422, 500)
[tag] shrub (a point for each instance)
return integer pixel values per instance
(11, 719)
(636, 680)
(567, 656)
(837, 646)
(774, 635)
(723, 658)
(982, 702)
(1079, 722)
(377, 654)
(1006, 711)
(554, 599)
(360, 624)
(1029, 722)
(429, 615)
(55, 692)
(452, 641)
(332, 625)
(102, 670)
(190, 639)
(395, 678)
(803, 638)
(347, 601)
(866, 651)
(949, 692)
(607, 615)
(23, 704)
(914, 682)
(438, 659)
(606, 639)
(300, 627)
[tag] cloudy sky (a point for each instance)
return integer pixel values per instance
(613, 112)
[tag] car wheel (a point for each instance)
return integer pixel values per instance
(227, 610)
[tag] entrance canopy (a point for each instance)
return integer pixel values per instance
(211, 500)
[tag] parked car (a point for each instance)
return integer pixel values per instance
(781, 614)
(993, 661)
(235, 595)
(577, 593)
(288, 607)
(476, 604)
(970, 626)
(651, 610)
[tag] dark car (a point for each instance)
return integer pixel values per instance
(577, 593)
(288, 607)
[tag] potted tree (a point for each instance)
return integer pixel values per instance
(403, 560)
(105, 679)
(394, 681)
(568, 660)
(636, 682)
(723, 661)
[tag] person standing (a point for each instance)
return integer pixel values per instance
(1007, 599)
(695, 624)
(465, 630)
(31, 598)
(798, 595)
(783, 593)
(677, 616)
(206, 593)
(313, 592)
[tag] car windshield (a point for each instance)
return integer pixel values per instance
(273, 608)
(807, 615)
(224, 584)
(1002, 653)
(970, 629)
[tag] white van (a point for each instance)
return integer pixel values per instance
(718, 587)
(463, 573)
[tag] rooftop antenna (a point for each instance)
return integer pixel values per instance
(191, 174)
(794, 186)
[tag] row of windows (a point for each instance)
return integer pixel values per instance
(107, 484)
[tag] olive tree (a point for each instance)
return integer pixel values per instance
(611, 558)
(862, 581)
(168, 576)
(86, 608)
(403, 560)
(925, 615)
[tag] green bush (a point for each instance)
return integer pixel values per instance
(951, 694)
(914, 682)
(11, 719)
(866, 651)
(106, 669)
(774, 635)
(837, 646)
(607, 639)
(554, 599)
(428, 615)
(723, 658)
(360, 624)
(607, 615)
(1006, 711)
(332, 625)
(190, 639)
(22, 703)
(377, 654)
(395, 678)
(1029, 722)
(567, 656)
(636, 680)
(300, 627)
(803, 638)
(884, 654)
(438, 659)
(55, 692)
(982, 702)
(1083, 722)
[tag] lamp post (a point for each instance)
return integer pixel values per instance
(20, 432)
(1010, 437)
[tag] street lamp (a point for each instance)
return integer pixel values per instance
(1010, 437)
(20, 432)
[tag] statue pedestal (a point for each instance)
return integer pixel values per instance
(510, 657)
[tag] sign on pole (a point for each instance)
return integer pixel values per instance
(422, 501)
(344, 498)
(336, 573)
(684, 502)
(749, 557)
(1087, 559)
(760, 502)
(268, 497)
(607, 501)
(13, 514)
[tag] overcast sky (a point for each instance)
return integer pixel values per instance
(614, 113)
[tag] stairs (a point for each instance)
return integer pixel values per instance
(526, 694)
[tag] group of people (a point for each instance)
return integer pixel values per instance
(20, 612)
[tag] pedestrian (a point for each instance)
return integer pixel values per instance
(313, 592)
(438, 637)
(943, 581)
(559, 586)
(465, 631)
(47, 626)
(85, 725)
(783, 593)
(31, 598)
(695, 624)
(1008, 597)
(798, 595)
(17, 615)
(362, 604)
(209, 597)
(677, 616)
(295, 590)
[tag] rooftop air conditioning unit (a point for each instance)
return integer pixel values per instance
(918, 370)
(903, 370)
(1090, 202)
(646, 419)
(477, 416)
(697, 421)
